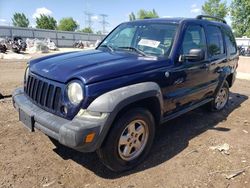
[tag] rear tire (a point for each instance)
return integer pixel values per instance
(129, 140)
(220, 99)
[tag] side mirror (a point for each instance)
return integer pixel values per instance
(193, 55)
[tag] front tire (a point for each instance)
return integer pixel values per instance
(129, 140)
(221, 98)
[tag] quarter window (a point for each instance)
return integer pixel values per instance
(230, 42)
(215, 41)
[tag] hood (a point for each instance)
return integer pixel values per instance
(92, 66)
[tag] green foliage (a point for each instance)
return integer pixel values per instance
(20, 20)
(67, 24)
(143, 14)
(240, 15)
(45, 22)
(87, 30)
(215, 8)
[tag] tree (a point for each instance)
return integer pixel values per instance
(132, 16)
(143, 14)
(240, 11)
(45, 22)
(20, 20)
(87, 30)
(67, 24)
(215, 8)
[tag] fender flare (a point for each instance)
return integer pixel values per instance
(115, 100)
(226, 71)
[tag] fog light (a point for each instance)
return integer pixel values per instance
(64, 109)
(89, 114)
(89, 138)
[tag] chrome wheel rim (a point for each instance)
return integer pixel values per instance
(133, 140)
(221, 99)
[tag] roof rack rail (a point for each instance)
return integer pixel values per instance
(207, 16)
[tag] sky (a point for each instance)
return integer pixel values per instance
(117, 10)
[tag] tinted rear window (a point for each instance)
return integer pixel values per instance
(230, 42)
(215, 41)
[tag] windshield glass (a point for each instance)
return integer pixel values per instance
(144, 38)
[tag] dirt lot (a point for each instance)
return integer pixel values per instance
(181, 155)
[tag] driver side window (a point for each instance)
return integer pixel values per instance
(194, 38)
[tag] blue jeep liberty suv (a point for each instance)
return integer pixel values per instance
(144, 73)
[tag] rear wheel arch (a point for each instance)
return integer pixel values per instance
(229, 79)
(222, 99)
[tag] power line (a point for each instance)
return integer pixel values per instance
(88, 19)
(104, 22)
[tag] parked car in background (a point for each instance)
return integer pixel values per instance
(144, 73)
(244, 50)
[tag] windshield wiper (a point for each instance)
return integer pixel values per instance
(134, 49)
(107, 46)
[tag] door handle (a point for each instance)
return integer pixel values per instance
(179, 81)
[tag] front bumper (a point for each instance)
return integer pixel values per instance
(71, 133)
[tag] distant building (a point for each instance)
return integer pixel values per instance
(244, 42)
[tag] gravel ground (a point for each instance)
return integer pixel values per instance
(244, 65)
(182, 154)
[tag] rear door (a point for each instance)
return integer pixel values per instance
(216, 52)
(231, 48)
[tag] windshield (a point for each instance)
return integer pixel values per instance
(147, 39)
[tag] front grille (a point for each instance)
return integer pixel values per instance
(44, 94)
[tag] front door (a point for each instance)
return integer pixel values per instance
(190, 81)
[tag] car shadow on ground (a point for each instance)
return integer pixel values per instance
(171, 139)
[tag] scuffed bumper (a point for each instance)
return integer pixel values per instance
(71, 133)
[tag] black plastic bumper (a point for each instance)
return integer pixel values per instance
(71, 133)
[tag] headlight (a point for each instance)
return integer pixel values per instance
(75, 93)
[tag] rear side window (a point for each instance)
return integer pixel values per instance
(215, 41)
(230, 42)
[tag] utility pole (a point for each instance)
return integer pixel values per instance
(88, 20)
(104, 22)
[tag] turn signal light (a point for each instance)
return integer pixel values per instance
(89, 138)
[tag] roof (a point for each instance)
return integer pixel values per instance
(172, 20)
(180, 19)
